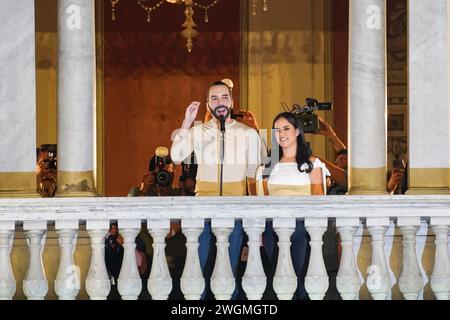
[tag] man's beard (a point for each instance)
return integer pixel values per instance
(218, 109)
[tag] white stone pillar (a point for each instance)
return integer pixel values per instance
(7, 280)
(35, 285)
(440, 279)
(192, 282)
(254, 280)
(129, 283)
(428, 85)
(378, 278)
(159, 282)
(347, 279)
(97, 282)
(67, 281)
(76, 97)
(285, 279)
(17, 99)
(410, 282)
(367, 97)
(222, 279)
(316, 280)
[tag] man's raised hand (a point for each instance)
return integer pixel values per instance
(191, 114)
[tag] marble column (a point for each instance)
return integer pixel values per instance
(428, 71)
(17, 99)
(76, 97)
(367, 97)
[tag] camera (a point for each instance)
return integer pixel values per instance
(163, 177)
(189, 167)
(306, 116)
(157, 166)
(47, 152)
(398, 163)
(50, 162)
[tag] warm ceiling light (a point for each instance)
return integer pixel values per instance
(189, 25)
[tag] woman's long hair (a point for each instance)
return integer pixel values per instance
(304, 152)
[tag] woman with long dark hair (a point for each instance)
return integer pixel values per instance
(295, 172)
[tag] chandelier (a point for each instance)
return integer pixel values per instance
(189, 25)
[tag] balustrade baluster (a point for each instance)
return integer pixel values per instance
(192, 282)
(67, 281)
(129, 283)
(378, 278)
(222, 279)
(316, 280)
(347, 280)
(254, 280)
(7, 280)
(159, 283)
(285, 279)
(35, 284)
(440, 279)
(410, 282)
(98, 284)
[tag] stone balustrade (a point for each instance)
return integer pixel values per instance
(380, 216)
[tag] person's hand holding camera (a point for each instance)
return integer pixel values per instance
(395, 179)
(41, 167)
(325, 129)
(148, 182)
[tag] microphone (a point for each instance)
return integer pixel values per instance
(222, 120)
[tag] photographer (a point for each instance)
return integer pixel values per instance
(46, 170)
(158, 182)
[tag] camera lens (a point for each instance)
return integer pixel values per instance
(163, 178)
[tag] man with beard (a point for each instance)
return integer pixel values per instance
(241, 150)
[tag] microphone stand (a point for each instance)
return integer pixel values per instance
(222, 151)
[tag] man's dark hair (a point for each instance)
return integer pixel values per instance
(218, 83)
(342, 151)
